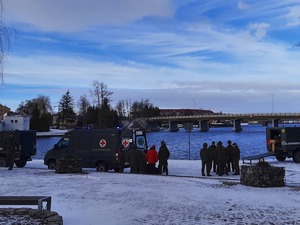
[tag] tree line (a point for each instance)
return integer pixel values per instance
(98, 114)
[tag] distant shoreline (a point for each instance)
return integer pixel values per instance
(40, 135)
(51, 133)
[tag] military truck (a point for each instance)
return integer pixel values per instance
(284, 142)
(97, 148)
(27, 146)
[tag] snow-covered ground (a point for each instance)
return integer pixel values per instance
(185, 197)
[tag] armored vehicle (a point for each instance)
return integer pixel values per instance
(97, 148)
(284, 142)
(27, 146)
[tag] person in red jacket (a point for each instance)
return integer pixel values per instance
(152, 158)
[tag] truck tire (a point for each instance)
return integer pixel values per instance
(101, 167)
(280, 158)
(296, 156)
(20, 163)
(52, 165)
(3, 162)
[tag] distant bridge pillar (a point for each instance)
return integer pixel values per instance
(265, 123)
(275, 122)
(152, 126)
(203, 125)
(188, 126)
(173, 126)
(237, 125)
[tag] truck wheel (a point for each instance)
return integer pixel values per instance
(101, 167)
(20, 163)
(3, 162)
(280, 158)
(296, 156)
(52, 165)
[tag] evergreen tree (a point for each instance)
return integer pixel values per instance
(144, 108)
(66, 114)
(83, 105)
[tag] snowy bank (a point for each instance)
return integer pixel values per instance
(185, 197)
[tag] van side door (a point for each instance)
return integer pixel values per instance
(81, 147)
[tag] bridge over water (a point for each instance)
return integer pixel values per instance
(235, 118)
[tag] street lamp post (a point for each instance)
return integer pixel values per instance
(272, 103)
(189, 128)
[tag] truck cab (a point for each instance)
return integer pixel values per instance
(97, 148)
(285, 142)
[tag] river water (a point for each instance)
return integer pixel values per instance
(184, 145)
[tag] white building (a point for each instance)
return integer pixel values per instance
(14, 122)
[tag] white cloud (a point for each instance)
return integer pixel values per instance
(71, 16)
(259, 29)
(293, 16)
(242, 5)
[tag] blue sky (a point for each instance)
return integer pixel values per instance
(229, 56)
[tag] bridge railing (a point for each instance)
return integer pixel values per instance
(231, 116)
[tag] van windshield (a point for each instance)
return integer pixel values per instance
(141, 142)
(63, 143)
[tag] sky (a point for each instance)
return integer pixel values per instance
(182, 198)
(227, 56)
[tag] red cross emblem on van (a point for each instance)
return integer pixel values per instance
(102, 143)
(125, 142)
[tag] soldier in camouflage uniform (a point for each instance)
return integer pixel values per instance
(10, 147)
(142, 162)
(212, 153)
(163, 156)
(229, 161)
(121, 159)
(134, 155)
(205, 160)
(221, 158)
(236, 159)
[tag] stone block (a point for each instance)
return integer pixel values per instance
(69, 166)
(256, 176)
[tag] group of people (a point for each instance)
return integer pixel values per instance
(220, 159)
(144, 161)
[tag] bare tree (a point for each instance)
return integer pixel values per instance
(100, 92)
(123, 107)
(120, 108)
(41, 103)
(5, 34)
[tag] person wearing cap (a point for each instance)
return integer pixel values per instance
(229, 161)
(152, 158)
(221, 158)
(10, 147)
(205, 160)
(212, 154)
(236, 159)
(163, 156)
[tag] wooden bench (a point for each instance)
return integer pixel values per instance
(259, 157)
(26, 200)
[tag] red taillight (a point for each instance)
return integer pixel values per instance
(117, 156)
(268, 142)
